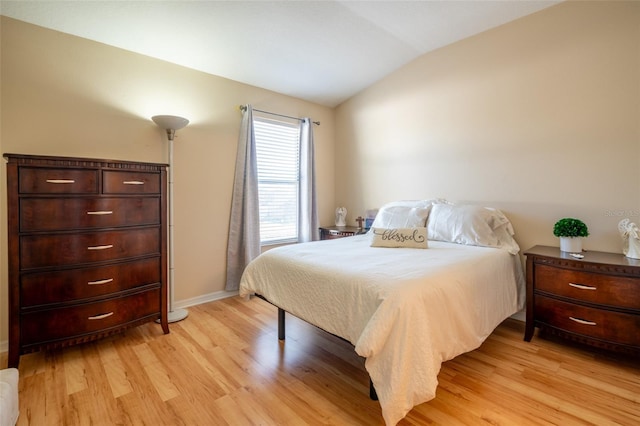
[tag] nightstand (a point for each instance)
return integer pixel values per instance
(332, 232)
(594, 300)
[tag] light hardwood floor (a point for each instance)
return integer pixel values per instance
(224, 365)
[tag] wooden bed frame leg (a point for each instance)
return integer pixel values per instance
(372, 391)
(280, 324)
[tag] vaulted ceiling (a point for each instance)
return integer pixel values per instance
(321, 51)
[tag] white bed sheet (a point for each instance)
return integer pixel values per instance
(405, 310)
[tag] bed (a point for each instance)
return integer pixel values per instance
(407, 305)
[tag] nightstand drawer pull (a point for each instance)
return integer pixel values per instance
(61, 181)
(98, 282)
(101, 212)
(133, 182)
(108, 246)
(101, 316)
(582, 286)
(581, 321)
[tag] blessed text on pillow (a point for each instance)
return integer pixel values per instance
(400, 237)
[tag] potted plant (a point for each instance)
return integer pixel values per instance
(571, 231)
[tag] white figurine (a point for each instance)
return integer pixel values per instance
(631, 236)
(341, 216)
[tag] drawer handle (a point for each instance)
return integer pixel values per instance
(101, 316)
(98, 282)
(101, 212)
(61, 181)
(108, 246)
(133, 182)
(581, 321)
(582, 286)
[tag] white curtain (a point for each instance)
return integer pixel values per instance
(244, 226)
(308, 217)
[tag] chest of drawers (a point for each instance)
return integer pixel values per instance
(87, 249)
(593, 300)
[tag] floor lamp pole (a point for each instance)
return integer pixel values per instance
(171, 123)
(174, 314)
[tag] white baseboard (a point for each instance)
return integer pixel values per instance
(205, 298)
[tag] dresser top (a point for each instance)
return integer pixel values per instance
(51, 161)
(594, 257)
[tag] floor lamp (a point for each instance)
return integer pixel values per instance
(171, 123)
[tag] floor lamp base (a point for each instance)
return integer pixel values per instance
(176, 315)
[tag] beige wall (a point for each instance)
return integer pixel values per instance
(63, 95)
(539, 117)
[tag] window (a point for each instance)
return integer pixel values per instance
(277, 152)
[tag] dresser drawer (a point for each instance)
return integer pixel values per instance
(615, 327)
(43, 288)
(75, 321)
(57, 181)
(38, 251)
(44, 214)
(610, 290)
(130, 183)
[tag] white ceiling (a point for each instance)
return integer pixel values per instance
(320, 51)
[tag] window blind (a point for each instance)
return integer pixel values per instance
(277, 152)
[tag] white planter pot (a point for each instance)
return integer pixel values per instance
(571, 244)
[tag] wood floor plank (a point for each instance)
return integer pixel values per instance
(156, 372)
(224, 365)
(35, 386)
(114, 369)
(231, 412)
(74, 372)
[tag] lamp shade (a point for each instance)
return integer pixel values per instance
(170, 122)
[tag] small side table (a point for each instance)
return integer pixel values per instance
(333, 232)
(594, 299)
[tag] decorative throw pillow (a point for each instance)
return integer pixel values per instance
(399, 237)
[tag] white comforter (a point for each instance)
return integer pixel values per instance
(405, 310)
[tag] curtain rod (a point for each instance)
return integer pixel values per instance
(244, 108)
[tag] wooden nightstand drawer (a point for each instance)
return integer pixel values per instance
(333, 232)
(42, 214)
(130, 183)
(614, 327)
(57, 181)
(610, 290)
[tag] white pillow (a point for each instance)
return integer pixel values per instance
(399, 237)
(471, 225)
(403, 214)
